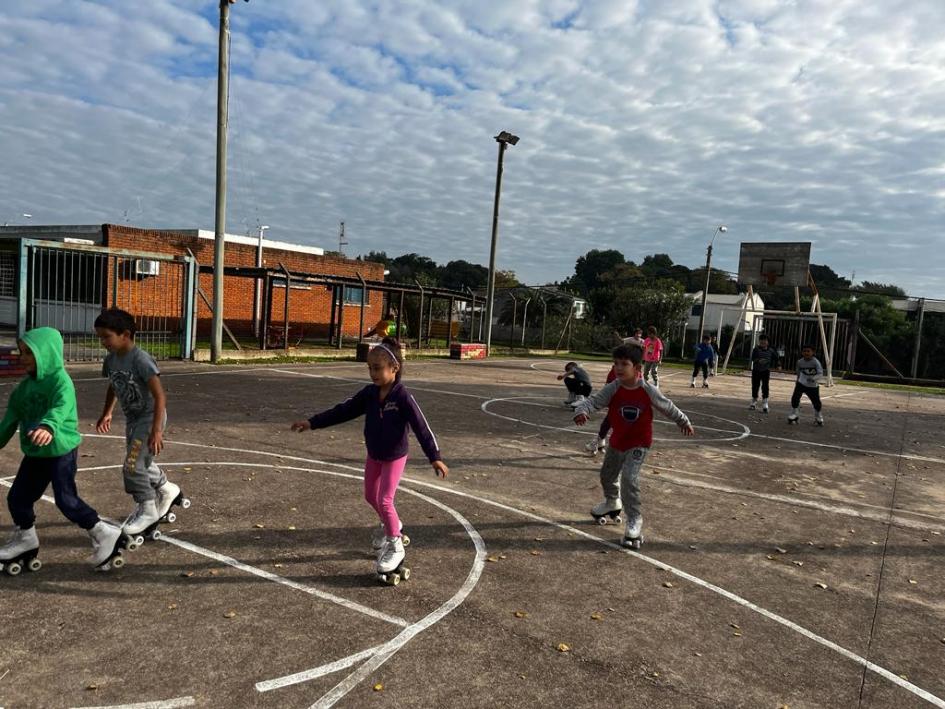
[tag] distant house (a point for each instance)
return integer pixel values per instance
(723, 310)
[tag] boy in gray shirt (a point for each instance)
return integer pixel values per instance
(134, 381)
(809, 373)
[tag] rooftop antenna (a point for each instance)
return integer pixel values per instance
(342, 241)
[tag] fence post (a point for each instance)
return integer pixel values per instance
(918, 337)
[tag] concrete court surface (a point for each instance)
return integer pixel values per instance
(783, 565)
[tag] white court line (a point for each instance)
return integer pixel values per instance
(753, 435)
(873, 667)
(269, 576)
(344, 602)
(840, 396)
(165, 704)
(733, 437)
(361, 381)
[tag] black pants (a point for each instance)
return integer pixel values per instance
(813, 393)
(577, 387)
(760, 379)
(31, 482)
(705, 369)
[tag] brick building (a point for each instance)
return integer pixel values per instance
(310, 306)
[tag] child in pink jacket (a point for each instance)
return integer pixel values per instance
(652, 356)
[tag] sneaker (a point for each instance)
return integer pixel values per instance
(578, 400)
(144, 515)
(819, 419)
(392, 555)
(764, 406)
(692, 384)
(753, 405)
(104, 537)
(592, 446)
(792, 418)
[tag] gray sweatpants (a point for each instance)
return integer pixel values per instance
(620, 477)
(654, 369)
(142, 476)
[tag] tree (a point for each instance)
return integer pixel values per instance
(589, 267)
(410, 267)
(882, 288)
(375, 257)
(462, 274)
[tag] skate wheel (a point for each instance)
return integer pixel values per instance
(34, 565)
(601, 521)
(170, 517)
(406, 574)
(394, 579)
(185, 503)
(405, 539)
(618, 519)
(118, 562)
(131, 545)
(14, 569)
(155, 535)
(138, 541)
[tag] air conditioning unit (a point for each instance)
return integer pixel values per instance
(145, 267)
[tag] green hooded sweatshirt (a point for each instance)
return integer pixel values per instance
(46, 398)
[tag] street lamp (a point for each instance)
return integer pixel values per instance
(257, 286)
(27, 216)
(721, 229)
(504, 139)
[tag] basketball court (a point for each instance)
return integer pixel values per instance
(783, 565)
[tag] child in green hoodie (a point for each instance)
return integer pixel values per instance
(43, 406)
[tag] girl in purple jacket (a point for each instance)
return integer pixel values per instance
(389, 408)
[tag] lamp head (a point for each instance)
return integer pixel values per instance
(506, 137)
(723, 229)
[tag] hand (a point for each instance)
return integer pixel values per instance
(581, 419)
(561, 376)
(104, 424)
(688, 430)
(156, 442)
(40, 436)
(301, 426)
(439, 467)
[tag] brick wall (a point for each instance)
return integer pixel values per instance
(309, 308)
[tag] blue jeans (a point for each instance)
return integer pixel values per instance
(32, 479)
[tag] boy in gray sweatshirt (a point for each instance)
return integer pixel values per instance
(809, 373)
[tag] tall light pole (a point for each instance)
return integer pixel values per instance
(721, 229)
(503, 139)
(257, 285)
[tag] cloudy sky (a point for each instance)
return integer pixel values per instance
(644, 124)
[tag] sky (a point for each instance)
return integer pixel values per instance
(644, 125)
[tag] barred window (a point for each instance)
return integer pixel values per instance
(8, 263)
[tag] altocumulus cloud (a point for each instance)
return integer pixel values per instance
(643, 125)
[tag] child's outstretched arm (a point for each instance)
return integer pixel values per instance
(666, 407)
(104, 423)
(421, 429)
(347, 410)
(595, 401)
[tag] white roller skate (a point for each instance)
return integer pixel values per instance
(390, 567)
(379, 538)
(578, 400)
(596, 446)
(819, 419)
(571, 397)
(633, 533)
(793, 416)
(609, 509)
(764, 406)
(106, 546)
(21, 550)
(753, 405)
(169, 495)
(142, 522)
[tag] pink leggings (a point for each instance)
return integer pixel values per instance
(381, 478)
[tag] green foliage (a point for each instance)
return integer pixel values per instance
(883, 288)
(589, 268)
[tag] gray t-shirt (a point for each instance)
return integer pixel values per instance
(129, 375)
(809, 372)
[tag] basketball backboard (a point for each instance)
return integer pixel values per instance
(773, 263)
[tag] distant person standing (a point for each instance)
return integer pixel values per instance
(652, 356)
(703, 357)
(714, 363)
(763, 358)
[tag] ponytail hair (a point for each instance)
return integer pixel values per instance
(393, 348)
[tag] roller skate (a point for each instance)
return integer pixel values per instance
(705, 383)
(108, 541)
(610, 509)
(819, 419)
(692, 384)
(570, 400)
(632, 535)
(390, 567)
(142, 523)
(168, 496)
(753, 405)
(598, 445)
(764, 406)
(793, 417)
(20, 551)
(379, 539)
